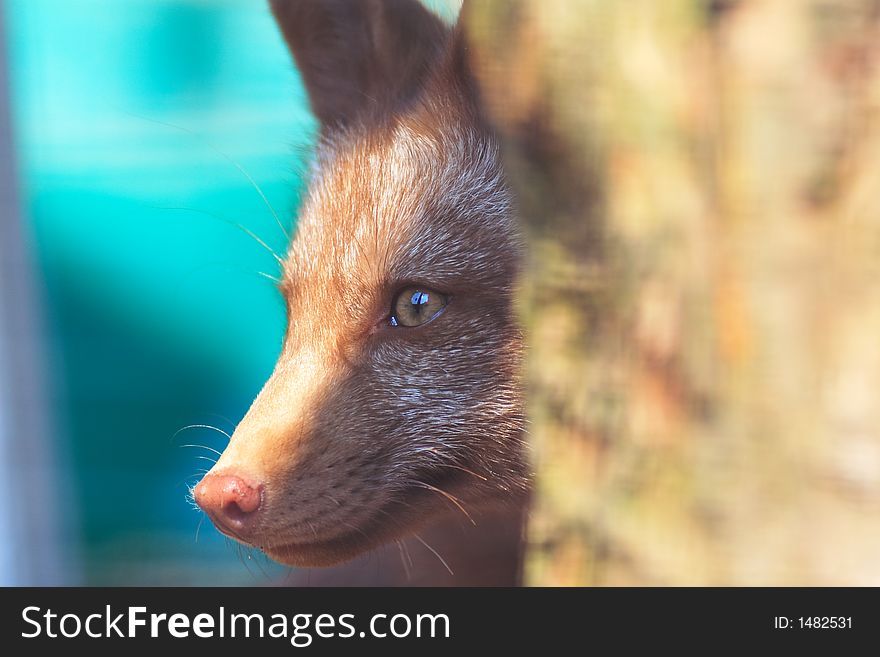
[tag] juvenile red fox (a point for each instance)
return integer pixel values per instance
(394, 412)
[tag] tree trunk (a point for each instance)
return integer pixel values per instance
(700, 186)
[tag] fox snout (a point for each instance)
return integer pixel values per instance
(393, 405)
(232, 503)
(396, 397)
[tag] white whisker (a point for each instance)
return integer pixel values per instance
(199, 527)
(405, 559)
(226, 157)
(435, 553)
(210, 449)
(450, 497)
(234, 224)
(201, 426)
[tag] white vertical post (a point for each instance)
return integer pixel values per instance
(33, 550)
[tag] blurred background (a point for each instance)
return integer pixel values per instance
(135, 136)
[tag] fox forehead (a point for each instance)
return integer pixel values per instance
(404, 205)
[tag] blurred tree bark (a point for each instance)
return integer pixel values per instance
(700, 185)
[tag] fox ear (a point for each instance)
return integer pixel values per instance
(359, 57)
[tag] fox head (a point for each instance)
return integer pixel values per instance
(396, 397)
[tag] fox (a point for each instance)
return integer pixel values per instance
(395, 411)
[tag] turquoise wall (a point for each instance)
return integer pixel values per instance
(128, 119)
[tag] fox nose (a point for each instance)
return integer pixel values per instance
(231, 502)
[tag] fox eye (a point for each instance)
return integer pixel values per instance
(414, 306)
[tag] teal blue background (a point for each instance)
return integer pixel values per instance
(128, 116)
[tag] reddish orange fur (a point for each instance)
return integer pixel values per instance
(365, 433)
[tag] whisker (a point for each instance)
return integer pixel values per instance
(224, 418)
(267, 562)
(199, 527)
(210, 449)
(463, 469)
(262, 276)
(200, 426)
(277, 281)
(226, 157)
(450, 497)
(234, 224)
(239, 549)
(207, 458)
(357, 529)
(405, 560)
(256, 562)
(256, 187)
(191, 497)
(435, 553)
(198, 473)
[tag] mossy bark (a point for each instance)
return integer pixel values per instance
(700, 187)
